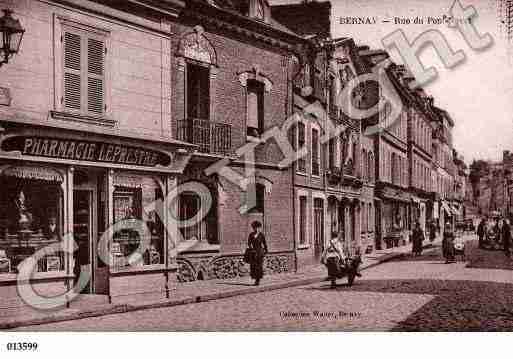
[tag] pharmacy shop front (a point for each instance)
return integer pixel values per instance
(59, 183)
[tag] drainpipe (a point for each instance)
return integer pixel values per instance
(289, 109)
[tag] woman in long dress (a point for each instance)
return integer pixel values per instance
(417, 239)
(256, 242)
(448, 243)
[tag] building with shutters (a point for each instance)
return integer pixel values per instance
(110, 106)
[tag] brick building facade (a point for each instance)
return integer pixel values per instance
(114, 105)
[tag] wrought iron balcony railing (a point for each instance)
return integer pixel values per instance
(211, 137)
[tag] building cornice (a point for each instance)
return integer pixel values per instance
(231, 21)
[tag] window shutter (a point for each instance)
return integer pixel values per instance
(72, 44)
(95, 76)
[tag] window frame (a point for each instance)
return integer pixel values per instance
(318, 145)
(299, 195)
(61, 23)
(206, 67)
(302, 160)
(260, 99)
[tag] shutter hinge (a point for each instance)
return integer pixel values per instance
(62, 100)
(105, 50)
(105, 107)
(62, 39)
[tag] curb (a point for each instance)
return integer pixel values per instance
(127, 308)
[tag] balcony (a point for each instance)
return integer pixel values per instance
(211, 137)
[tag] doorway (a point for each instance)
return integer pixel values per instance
(318, 213)
(88, 225)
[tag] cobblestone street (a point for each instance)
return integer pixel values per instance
(411, 294)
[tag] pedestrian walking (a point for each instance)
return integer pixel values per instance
(335, 254)
(432, 231)
(448, 243)
(506, 237)
(417, 239)
(256, 243)
(481, 230)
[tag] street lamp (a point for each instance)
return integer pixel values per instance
(11, 33)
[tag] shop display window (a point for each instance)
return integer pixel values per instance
(205, 230)
(30, 219)
(133, 198)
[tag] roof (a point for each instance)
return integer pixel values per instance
(240, 7)
(306, 18)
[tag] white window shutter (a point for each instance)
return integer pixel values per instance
(95, 76)
(72, 98)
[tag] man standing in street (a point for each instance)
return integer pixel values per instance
(506, 237)
(481, 228)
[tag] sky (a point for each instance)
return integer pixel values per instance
(477, 93)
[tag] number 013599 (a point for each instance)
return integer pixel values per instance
(21, 346)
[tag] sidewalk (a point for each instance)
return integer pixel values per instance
(187, 293)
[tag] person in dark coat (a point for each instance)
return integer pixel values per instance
(432, 231)
(256, 241)
(417, 239)
(506, 237)
(448, 243)
(481, 230)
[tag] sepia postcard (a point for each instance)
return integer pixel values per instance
(255, 166)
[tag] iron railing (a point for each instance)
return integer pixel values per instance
(211, 137)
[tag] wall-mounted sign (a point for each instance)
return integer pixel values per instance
(82, 150)
(33, 172)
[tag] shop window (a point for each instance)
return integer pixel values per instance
(83, 71)
(198, 92)
(133, 195)
(255, 108)
(205, 230)
(30, 219)
(302, 220)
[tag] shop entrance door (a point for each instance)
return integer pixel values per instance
(83, 232)
(86, 210)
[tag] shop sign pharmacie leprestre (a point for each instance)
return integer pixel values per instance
(81, 150)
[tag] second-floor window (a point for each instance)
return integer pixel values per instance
(255, 108)
(84, 72)
(198, 92)
(301, 140)
(316, 153)
(332, 148)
